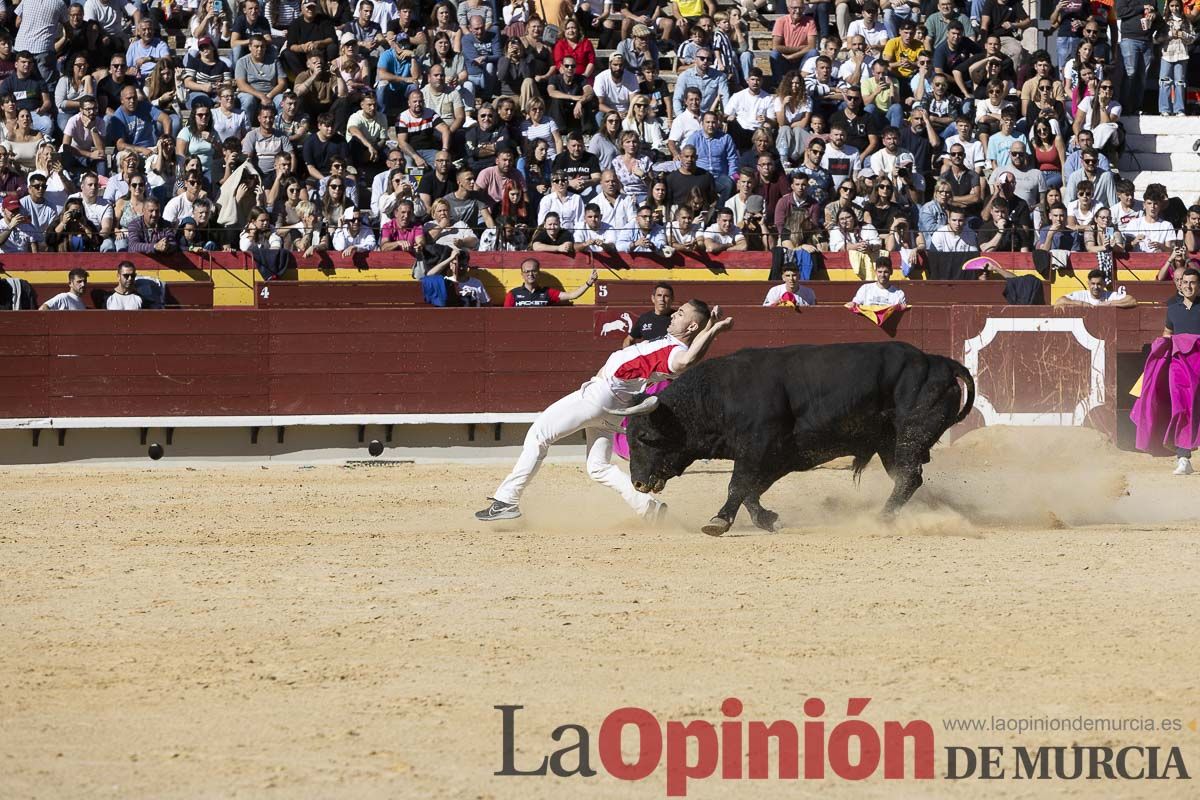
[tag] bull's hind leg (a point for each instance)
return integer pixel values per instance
(762, 517)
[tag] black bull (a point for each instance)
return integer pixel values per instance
(773, 411)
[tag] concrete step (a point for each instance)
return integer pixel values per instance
(1160, 161)
(1183, 184)
(1162, 126)
(1165, 143)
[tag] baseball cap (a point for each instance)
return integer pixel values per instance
(1006, 177)
(12, 203)
(641, 30)
(346, 37)
(755, 204)
(309, 3)
(904, 158)
(205, 41)
(350, 213)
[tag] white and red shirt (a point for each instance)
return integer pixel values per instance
(630, 370)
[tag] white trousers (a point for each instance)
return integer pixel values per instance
(586, 410)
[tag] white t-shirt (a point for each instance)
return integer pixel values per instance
(1161, 231)
(838, 239)
(945, 240)
(872, 294)
(713, 235)
(1085, 296)
(683, 126)
(65, 302)
(473, 293)
(124, 302)
(747, 106)
(804, 295)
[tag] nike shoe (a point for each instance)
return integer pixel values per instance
(1183, 467)
(498, 510)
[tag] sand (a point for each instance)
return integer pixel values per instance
(345, 632)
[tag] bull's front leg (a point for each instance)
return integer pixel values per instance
(740, 486)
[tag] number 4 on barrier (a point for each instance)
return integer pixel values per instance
(265, 292)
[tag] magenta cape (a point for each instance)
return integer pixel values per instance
(620, 440)
(1166, 414)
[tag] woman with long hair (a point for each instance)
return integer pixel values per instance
(259, 232)
(1049, 152)
(162, 91)
(649, 129)
(881, 207)
(48, 161)
(71, 231)
(312, 236)
(792, 112)
(334, 203)
(633, 169)
(1175, 37)
(198, 139)
(1102, 236)
(536, 165)
(847, 193)
(1041, 212)
(77, 84)
(799, 232)
(129, 206)
(23, 140)
(512, 202)
(657, 200)
(605, 144)
(443, 19)
(762, 143)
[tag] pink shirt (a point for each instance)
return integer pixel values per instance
(794, 35)
(391, 232)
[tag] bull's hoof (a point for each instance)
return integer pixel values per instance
(716, 526)
(765, 520)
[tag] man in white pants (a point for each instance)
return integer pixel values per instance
(599, 405)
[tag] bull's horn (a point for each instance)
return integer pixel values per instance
(644, 407)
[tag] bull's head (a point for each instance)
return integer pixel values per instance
(657, 448)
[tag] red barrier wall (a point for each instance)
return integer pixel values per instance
(425, 360)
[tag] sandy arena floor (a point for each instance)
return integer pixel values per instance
(336, 632)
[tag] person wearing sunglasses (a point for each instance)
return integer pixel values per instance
(711, 83)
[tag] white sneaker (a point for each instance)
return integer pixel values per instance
(656, 515)
(1184, 467)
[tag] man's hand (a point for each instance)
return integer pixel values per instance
(715, 323)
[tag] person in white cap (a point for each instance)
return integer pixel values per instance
(352, 236)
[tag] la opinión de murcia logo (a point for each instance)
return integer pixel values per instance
(853, 749)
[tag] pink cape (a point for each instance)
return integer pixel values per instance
(1166, 414)
(620, 440)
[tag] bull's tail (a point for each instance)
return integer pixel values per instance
(963, 374)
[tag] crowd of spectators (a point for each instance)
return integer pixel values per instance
(343, 127)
